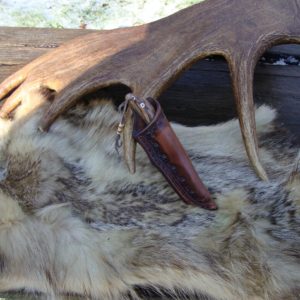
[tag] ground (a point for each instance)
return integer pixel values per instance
(92, 14)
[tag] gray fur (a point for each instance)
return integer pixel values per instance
(74, 221)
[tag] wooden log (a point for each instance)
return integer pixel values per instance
(202, 94)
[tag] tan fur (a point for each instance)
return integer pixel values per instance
(74, 221)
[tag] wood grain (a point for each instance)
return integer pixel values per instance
(201, 95)
(19, 46)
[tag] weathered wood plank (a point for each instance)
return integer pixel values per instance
(202, 95)
(207, 87)
(18, 46)
(292, 50)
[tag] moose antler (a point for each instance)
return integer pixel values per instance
(148, 58)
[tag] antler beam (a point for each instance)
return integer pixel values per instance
(148, 58)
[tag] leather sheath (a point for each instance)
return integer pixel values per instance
(167, 154)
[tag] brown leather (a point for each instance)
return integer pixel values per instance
(167, 153)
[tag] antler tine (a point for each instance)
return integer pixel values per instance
(242, 82)
(10, 83)
(148, 58)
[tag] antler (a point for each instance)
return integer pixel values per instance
(148, 58)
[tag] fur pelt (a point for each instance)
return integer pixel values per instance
(73, 221)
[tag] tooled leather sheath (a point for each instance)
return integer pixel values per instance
(167, 153)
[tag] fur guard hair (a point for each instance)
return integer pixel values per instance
(73, 221)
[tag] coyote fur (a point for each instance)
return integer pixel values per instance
(73, 221)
